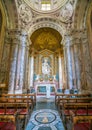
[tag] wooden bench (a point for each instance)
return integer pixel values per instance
(22, 105)
(31, 96)
(8, 122)
(3, 88)
(81, 122)
(74, 112)
(19, 111)
(62, 101)
(59, 96)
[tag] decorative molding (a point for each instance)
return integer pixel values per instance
(66, 12)
(25, 14)
(45, 23)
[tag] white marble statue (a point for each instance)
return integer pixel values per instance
(46, 69)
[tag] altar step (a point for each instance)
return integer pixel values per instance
(45, 99)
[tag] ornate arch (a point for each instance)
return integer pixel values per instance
(45, 22)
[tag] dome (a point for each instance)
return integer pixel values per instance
(45, 5)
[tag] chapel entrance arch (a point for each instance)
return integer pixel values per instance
(46, 61)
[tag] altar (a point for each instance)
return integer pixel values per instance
(46, 89)
(45, 76)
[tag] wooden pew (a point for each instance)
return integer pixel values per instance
(3, 88)
(19, 111)
(80, 122)
(8, 122)
(21, 104)
(31, 96)
(76, 109)
(62, 101)
(59, 96)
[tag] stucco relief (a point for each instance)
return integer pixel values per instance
(66, 12)
(25, 14)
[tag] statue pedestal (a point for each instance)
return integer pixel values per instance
(48, 91)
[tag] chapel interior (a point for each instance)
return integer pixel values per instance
(45, 64)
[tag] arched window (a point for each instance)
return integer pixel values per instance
(45, 5)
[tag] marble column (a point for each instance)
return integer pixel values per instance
(18, 67)
(22, 60)
(87, 63)
(26, 69)
(20, 72)
(65, 69)
(14, 34)
(60, 72)
(63, 73)
(73, 66)
(77, 57)
(69, 62)
(31, 70)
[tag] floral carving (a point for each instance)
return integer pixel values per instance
(66, 12)
(25, 14)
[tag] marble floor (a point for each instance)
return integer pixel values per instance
(45, 116)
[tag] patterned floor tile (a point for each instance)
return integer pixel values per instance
(45, 119)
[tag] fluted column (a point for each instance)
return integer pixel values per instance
(14, 34)
(68, 62)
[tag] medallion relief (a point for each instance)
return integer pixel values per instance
(66, 12)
